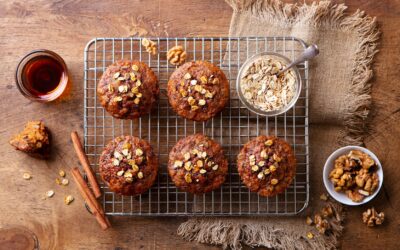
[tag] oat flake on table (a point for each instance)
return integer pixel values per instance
(263, 89)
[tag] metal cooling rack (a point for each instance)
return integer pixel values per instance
(233, 127)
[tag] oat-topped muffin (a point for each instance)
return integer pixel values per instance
(197, 164)
(198, 90)
(33, 140)
(128, 165)
(128, 89)
(267, 165)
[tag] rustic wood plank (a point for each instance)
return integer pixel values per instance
(65, 27)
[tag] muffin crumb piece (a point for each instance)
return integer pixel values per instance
(68, 199)
(33, 140)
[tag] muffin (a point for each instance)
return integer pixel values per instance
(197, 164)
(198, 90)
(128, 165)
(128, 89)
(33, 140)
(267, 165)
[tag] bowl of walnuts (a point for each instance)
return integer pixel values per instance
(353, 175)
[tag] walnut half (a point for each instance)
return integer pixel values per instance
(176, 55)
(150, 46)
(321, 224)
(373, 218)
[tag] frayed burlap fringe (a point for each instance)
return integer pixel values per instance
(232, 233)
(331, 16)
(284, 232)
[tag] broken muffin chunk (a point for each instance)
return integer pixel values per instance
(33, 140)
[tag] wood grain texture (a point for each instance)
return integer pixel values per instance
(65, 27)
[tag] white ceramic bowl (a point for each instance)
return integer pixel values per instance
(340, 196)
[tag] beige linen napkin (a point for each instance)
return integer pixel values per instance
(339, 105)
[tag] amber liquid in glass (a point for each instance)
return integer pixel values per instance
(42, 75)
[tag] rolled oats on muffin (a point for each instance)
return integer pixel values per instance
(128, 89)
(267, 165)
(128, 165)
(198, 90)
(197, 164)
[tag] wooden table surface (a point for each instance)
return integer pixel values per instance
(65, 27)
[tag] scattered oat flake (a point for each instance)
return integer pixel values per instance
(68, 199)
(50, 193)
(65, 182)
(310, 235)
(323, 197)
(27, 176)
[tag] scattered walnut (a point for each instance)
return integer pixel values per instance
(309, 221)
(176, 55)
(327, 211)
(323, 197)
(373, 218)
(149, 45)
(321, 224)
(61, 173)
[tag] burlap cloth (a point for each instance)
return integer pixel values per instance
(339, 105)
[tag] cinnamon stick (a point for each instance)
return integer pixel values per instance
(90, 200)
(85, 163)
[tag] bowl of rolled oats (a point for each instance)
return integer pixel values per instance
(262, 90)
(353, 175)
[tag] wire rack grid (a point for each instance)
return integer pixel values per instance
(232, 128)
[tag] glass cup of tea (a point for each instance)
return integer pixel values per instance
(42, 75)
